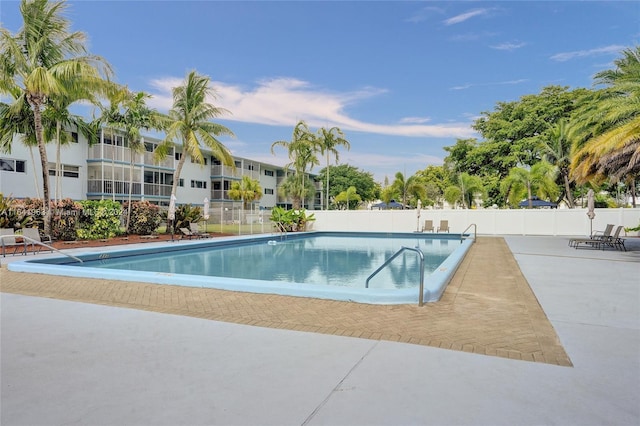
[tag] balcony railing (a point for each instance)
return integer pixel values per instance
(113, 187)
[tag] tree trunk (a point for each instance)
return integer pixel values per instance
(567, 188)
(58, 194)
(37, 121)
(327, 188)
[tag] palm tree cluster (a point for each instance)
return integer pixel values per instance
(45, 69)
(606, 131)
(302, 151)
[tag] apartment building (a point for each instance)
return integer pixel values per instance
(109, 169)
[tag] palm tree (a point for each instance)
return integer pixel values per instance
(606, 132)
(539, 180)
(14, 121)
(328, 140)
(248, 190)
(189, 123)
(137, 115)
(42, 61)
(348, 197)
(411, 186)
(557, 152)
(302, 156)
(466, 189)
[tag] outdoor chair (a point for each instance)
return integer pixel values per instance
(444, 226)
(615, 241)
(186, 232)
(595, 239)
(33, 238)
(195, 229)
(428, 226)
(8, 240)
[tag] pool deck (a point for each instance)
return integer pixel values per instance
(530, 331)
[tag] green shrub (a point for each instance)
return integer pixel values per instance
(186, 214)
(65, 217)
(14, 213)
(145, 218)
(291, 220)
(99, 219)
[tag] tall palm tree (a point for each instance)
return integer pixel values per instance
(607, 128)
(557, 152)
(302, 151)
(540, 180)
(44, 60)
(137, 116)
(328, 141)
(189, 122)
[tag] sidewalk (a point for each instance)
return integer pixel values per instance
(65, 361)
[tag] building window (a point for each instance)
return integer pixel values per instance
(200, 184)
(268, 172)
(178, 156)
(250, 167)
(74, 137)
(66, 170)
(181, 182)
(268, 191)
(9, 165)
(204, 161)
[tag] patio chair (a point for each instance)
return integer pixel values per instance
(186, 232)
(195, 229)
(615, 241)
(595, 239)
(444, 226)
(8, 240)
(33, 235)
(428, 226)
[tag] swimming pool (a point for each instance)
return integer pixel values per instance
(328, 265)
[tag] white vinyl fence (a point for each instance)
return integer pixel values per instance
(489, 221)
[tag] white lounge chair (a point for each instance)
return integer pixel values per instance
(33, 238)
(8, 240)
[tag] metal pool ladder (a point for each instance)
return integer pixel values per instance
(403, 248)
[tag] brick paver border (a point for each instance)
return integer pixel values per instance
(488, 308)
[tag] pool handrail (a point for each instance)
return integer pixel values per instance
(475, 232)
(396, 254)
(281, 229)
(32, 241)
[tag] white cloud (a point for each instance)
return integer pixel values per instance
(497, 83)
(423, 14)
(508, 46)
(465, 16)
(565, 56)
(285, 101)
(415, 120)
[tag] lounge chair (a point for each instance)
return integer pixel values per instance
(195, 229)
(186, 232)
(444, 226)
(595, 239)
(8, 240)
(428, 226)
(33, 238)
(615, 241)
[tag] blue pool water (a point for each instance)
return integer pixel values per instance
(325, 265)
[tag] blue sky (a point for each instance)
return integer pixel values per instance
(401, 79)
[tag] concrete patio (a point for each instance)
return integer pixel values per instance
(66, 361)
